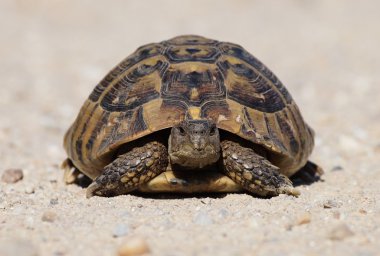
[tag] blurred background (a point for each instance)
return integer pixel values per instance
(326, 52)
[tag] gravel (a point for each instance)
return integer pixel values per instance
(53, 53)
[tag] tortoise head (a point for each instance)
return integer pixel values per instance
(194, 143)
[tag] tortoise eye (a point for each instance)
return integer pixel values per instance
(181, 131)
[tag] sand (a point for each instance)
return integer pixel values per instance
(53, 53)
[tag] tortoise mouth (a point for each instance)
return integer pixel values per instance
(192, 158)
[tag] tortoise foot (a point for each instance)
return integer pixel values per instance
(130, 170)
(308, 174)
(253, 172)
(71, 173)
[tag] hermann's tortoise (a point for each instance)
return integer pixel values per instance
(189, 114)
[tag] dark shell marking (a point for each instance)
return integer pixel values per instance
(161, 83)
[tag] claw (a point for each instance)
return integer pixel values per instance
(93, 189)
(289, 191)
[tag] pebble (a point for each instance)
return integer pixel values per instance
(134, 247)
(303, 219)
(49, 216)
(337, 168)
(330, 204)
(202, 218)
(340, 232)
(29, 222)
(377, 148)
(223, 213)
(12, 175)
(2, 201)
(54, 201)
(337, 215)
(121, 230)
(52, 178)
(29, 189)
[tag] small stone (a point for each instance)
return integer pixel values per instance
(337, 168)
(59, 253)
(330, 204)
(52, 178)
(202, 218)
(362, 211)
(303, 219)
(29, 222)
(121, 230)
(223, 213)
(29, 189)
(53, 201)
(134, 247)
(377, 148)
(336, 215)
(49, 216)
(12, 175)
(234, 156)
(340, 232)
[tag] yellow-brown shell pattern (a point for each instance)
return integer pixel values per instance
(161, 83)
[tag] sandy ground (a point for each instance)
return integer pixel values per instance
(52, 53)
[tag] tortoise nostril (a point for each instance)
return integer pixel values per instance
(198, 146)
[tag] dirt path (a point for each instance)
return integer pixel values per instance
(52, 53)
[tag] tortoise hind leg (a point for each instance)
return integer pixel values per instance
(253, 172)
(307, 175)
(73, 175)
(126, 173)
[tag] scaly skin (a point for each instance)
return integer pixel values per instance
(130, 170)
(253, 172)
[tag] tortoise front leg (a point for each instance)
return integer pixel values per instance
(253, 172)
(130, 170)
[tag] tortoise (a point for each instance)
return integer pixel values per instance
(189, 114)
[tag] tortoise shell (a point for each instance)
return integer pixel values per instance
(161, 83)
